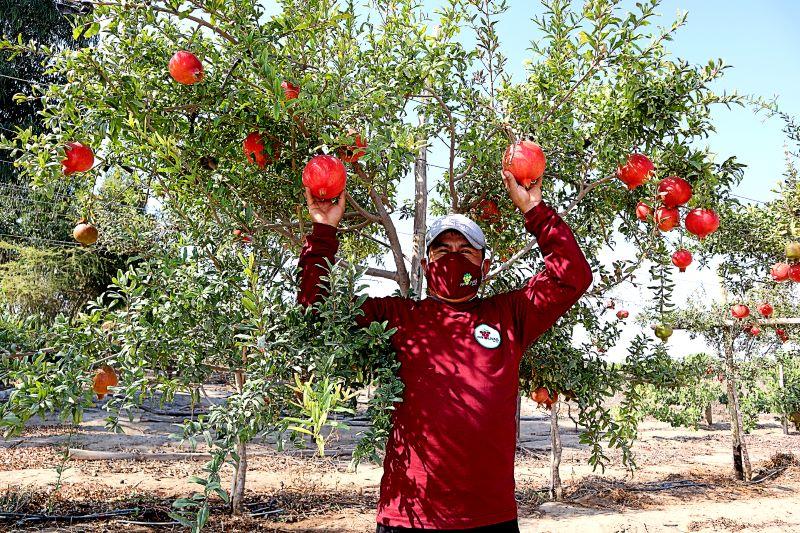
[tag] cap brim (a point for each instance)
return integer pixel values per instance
(470, 240)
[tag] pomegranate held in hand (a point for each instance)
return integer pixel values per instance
(702, 222)
(636, 171)
(682, 259)
(674, 191)
(185, 68)
(643, 211)
(325, 176)
(290, 90)
(526, 161)
(779, 272)
(667, 218)
(80, 158)
(765, 310)
(85, 233)
(105, 377)
(253, 147)
(740, 311)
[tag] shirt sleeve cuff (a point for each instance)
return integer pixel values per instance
(323, 231)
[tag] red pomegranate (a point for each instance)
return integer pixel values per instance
(643, 211)
(290, 90)
(740, 311)
(754, 330)
(674, 191)
(779, 272)
(489, 212)
(542, 397)
(325, 176)
(185, 68)
(104, 378)
(352, 153)
(85, 233)
(636, 171)
(80, 158)
(253, 147)
(667, 218)
(526, 161)
(702, 222)
(765, 309)
(239, 234)
(622, 314)
(682, 259)
(794, 272)
(782, 335)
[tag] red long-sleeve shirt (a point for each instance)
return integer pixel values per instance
(449, 460)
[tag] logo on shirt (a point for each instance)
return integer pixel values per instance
(467, 280)
(487, 336)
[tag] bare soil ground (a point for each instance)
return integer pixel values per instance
(684, 481)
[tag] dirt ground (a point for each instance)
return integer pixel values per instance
(684, 481)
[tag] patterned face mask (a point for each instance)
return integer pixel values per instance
(454, 277)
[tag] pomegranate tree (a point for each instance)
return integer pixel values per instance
(325, 176)
(702, 222)
(682, 259)
(185, 68)
(526, 161)
(79, 158)
(636, 171)
(674, 191)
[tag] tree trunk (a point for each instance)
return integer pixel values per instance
(784, 418)
(420, 215)
(741, 461)
(519, 414)
(240, 472)
(556, 490)
(709, 418)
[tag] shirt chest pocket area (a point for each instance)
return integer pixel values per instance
(489, 350)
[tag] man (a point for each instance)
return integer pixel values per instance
(449, 461)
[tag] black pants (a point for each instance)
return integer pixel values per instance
(512, 526)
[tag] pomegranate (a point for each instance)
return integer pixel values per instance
(765, 309)
(782, 335)
(702, 222)
(794, 272)
(239, 234)
(663, 332)
(489, 212)
(290, 90)
(622, 314)
(636, 171)
(543, 397)
(643, 211)
(185, 68)
(104, 378)
(526, 161)
(740, 311)
(325, 176)
(779, 272)
(85, 233)
(674, 191)
(253, 146)
(352, 153)
(754, 330)
(609, 304)
(793, 251)
(682, 259)
(667, 218)
(80, 158)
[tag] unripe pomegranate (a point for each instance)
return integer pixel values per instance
(793, 251)
(701, 222)
(85, 233)
(104, 378)
(643, 211)
(325, 176)
(794, 272)
(526, 161)
(79, 158)
(185, 68)
(674, 191)
(290, 90)
(351, 154)
(253, 147)
(740, 311)
(667, 218)
(622, 314)
(682, 259)
(765, 309)
(779, 272)
(663, 332)
(636, 171)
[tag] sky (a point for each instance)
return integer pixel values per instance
(760, 40)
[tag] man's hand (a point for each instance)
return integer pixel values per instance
(325, 211)
(524, 199)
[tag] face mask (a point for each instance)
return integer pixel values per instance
(454, 277)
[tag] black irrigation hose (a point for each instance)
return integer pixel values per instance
(22, 518)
